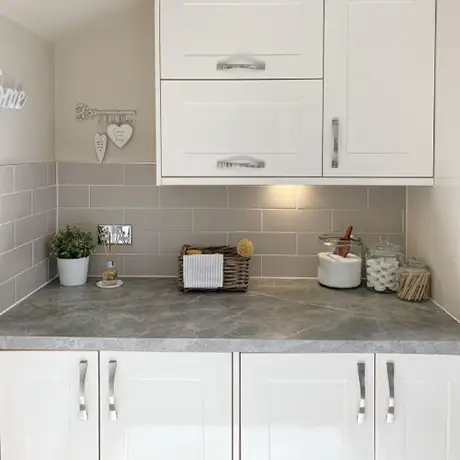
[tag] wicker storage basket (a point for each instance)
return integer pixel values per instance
(236, 267)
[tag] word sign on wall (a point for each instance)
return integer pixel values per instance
(11, 98)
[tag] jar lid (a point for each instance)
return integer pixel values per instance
(386, 249)
(414, 265)
(330, 239)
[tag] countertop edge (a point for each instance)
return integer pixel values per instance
(211, 345)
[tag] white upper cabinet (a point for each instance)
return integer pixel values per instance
(49, 405)
(379, 86)
(241, 128)
(241, 39)
(166, 406)
(417, 407)
(298, 407)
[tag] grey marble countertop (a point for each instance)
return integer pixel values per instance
(273, 316)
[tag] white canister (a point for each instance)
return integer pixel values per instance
(73, 272)
(339, 272)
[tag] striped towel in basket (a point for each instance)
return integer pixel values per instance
(203, 271)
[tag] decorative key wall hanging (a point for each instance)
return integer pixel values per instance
(117, 126)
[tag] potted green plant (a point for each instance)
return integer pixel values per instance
(72, 248)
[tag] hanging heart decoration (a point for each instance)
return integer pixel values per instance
(120, 135)
(100, 143)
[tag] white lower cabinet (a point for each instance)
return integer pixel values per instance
(307, 407)
(49, 406)
(166, 406)
(426, 422)
(170, 406)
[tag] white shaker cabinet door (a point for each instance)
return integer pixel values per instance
(241, 39)
(49, 405)
(241, 128)
(379, 86)
(417, 407)
(166, 406)
(307, 407)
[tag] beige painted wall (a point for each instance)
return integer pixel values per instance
(107, 64)
(434, 213)
(26, 59)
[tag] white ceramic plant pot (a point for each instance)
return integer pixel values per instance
(73, 272)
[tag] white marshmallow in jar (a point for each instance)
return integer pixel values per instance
(383, 267)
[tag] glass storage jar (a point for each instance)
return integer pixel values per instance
(382, 267)
(340, 265)
(414, 281)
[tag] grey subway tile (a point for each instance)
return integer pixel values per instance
(7, 295)
(30, 176)
(160, 219)
(41, 249)
(32, 279)
(297, 221)
(381, 220)
(256, 266)
(193, 197)
(14, 262)
(30, 228)
(52, 268)
(44, 199)
(6, 179)
(267, 243)
(227, 220)
(150, 265)
(171, 242)
(52, 176)
(140, 174)
(124, 196)
(15, 206)
(6, 237)
(51, 221)
(388, 198)
(90, 174)
(88, 219)
(271, 197)
(289, 266)
(332, 198)
(73, 196)
(308, 244)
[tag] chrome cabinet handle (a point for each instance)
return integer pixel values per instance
(335, 151)
(256, 65)
(83, 410)
(362, 390)
(391, 385)
(241, 162)
(112, 375)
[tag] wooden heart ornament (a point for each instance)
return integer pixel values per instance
(100, 144)
(120, 135)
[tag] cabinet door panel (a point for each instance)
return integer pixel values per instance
(40, 406)
(169, 406)
(287, 36)
(379, 83)
(276, 122)
(301, 407)
(427, 408)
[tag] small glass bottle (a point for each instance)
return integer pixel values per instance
(382, 267)
(110, 274)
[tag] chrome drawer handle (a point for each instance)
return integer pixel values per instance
(241, 162)
(112, 375)
(223, 66)
(83, 410)
(391, 385)
(335, 151)
(362, 389)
